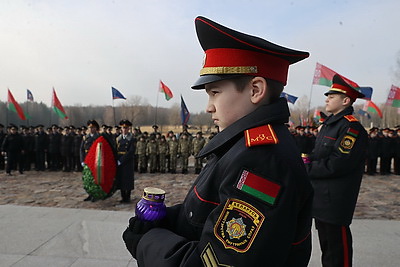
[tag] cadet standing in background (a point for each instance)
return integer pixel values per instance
(173, 153)
(197, 145)
(152, 152)
(335, 168)
(163, 152)
(126, 143)
(141, 154)
(184, 148)
(40, 146)
(87, 142)
(13, 149)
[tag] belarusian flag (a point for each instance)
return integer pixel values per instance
(164, 89)
(57, 107)
(371, 107)
(258, 187)
(14, 106)
(324, 75)
(394, 97)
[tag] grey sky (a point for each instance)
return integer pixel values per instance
(82, 48)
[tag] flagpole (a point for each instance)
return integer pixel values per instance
(27, 113)
(155, 118)
(309, 101)
(114, 112)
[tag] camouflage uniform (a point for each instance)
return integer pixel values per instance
(173, 153)
(141, 154)
(163, 151)
(197, 145)
(184, 148)
(151, 153)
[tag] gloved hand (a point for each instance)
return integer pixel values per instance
(134, 233)
(119, 162)
(83, 164)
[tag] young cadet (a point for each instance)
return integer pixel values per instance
(251, 204)
(336, 168)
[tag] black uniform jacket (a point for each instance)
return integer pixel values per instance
(337, 166)
(220, 222)
(125, 156)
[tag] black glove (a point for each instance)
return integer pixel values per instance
(134, 233)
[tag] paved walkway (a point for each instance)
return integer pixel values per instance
(37, 236)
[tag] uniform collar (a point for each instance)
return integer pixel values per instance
(333, 118)
(277, 112)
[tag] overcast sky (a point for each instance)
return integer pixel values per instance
(82, 48)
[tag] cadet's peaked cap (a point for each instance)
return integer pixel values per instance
(93, 123)
(125, 123)
(340, 86)
(229, 53)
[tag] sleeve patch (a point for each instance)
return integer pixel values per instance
(262, 135)
(238, 225)
(347, 144)
(259, 187)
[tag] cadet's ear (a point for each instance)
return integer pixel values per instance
(258, 89)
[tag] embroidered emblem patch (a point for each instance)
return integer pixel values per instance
(209, 258)
(236, 228)
(238, 225)
(258, 187)
(350, 118)
(347, 144)
(262, 135)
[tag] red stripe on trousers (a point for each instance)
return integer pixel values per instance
(345, 247)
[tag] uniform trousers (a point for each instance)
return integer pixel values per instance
(336, 244)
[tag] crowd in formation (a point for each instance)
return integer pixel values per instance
(383, 148)
(63, 148)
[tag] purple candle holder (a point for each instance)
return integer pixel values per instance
(151, 207)
(305, 158)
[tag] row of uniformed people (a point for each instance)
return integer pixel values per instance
(160, 154)
(57, 148)
(383, 144)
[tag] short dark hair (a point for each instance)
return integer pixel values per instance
(275, 88)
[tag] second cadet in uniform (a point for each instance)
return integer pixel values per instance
(336, 169)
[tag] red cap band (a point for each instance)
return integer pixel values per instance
(239, 61)
(352, 93)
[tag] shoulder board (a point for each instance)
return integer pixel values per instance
(262, 135)
(350, 118)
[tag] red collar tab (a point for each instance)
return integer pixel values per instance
(350, 118)
(239, 61)
(262, 135)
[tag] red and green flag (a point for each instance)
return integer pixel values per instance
(57, 107)
(258, 187)
(370, 107)
(164, 89)
(394, 97)
(324, 75)
(14, 106)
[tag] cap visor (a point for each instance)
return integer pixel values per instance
(206, 79)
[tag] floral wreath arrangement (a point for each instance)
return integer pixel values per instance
(100, 169)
